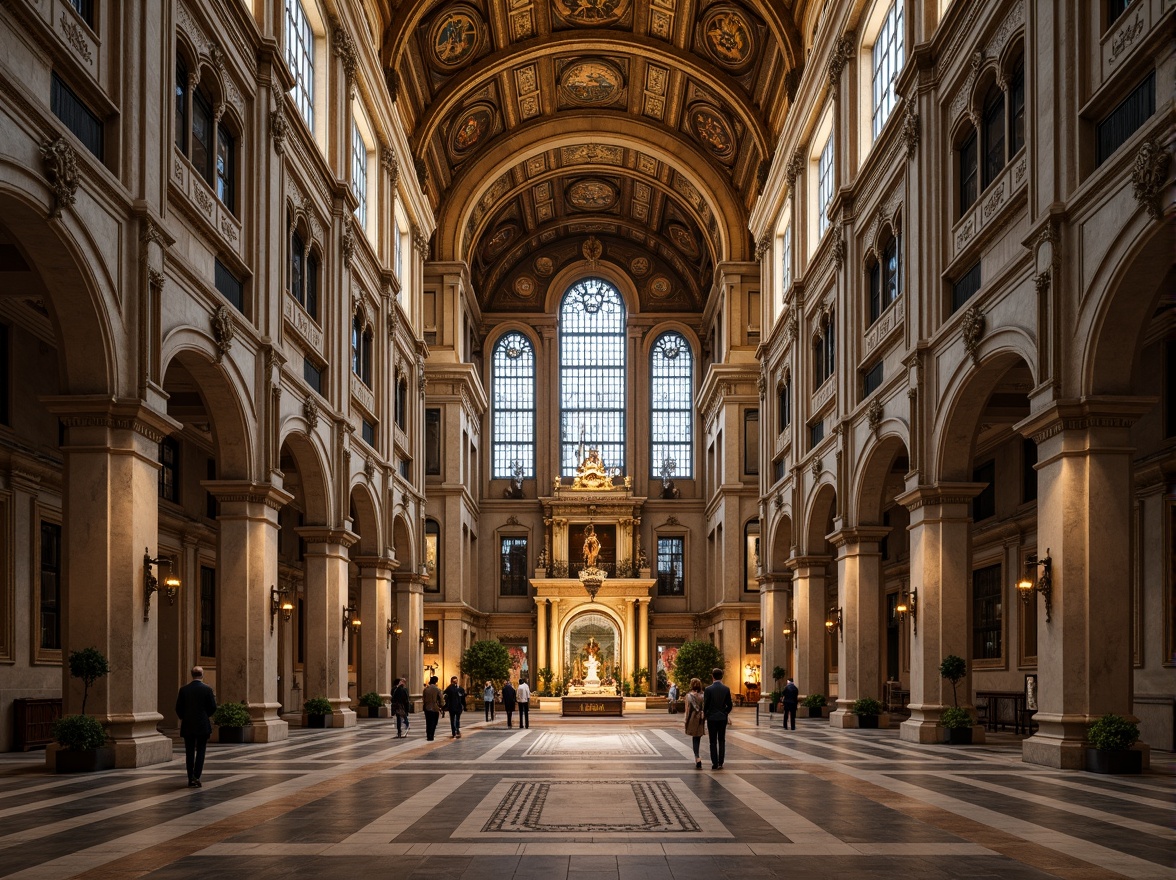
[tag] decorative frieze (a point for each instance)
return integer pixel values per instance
(892, 318)
(75, 37)
(297, 318)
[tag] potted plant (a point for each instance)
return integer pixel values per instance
(695, 660)
(88, 664)
(487, 660)
(954, 669)
(778, 673)
(374, 703)
(544, 689)
(317, 709)
(815, 703)
(230, 719)
(81, 740)
(867, 710)
(958, 724)
(1111, 738)
(774, 700)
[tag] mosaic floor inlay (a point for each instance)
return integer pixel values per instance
(590, 745)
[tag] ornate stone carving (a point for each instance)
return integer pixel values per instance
(348, 242)
(310, 412)
(874, 415)
(1148, 174)
(838, 244)
(761, 381)
(369, 468)
(1042, 281)
(224, 328)
(345, 49)
(388, 163)
(841, 54)
(422, 379)
(73, 34)
(61, 170)
(762, 248)
(279, 126)
(420, 241)
(795, 166)
(816, 467)
(971, 331)
(793, 324)
(910, 124)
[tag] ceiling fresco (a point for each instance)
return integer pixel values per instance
(548, 130)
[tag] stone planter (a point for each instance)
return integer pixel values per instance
(959, 736)
(230, 734)
(316, 720)
(83, 760)
(373, 711)
(1107, 761)
(868, 722)
(817, 712)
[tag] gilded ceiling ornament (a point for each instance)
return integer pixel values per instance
(681, 236)
(61, 170)
(470, 128)
(592, 250)
(1148, 174)
(456, 36)
(544, 266)
(592, 195)
(591, 82)
(224, 328)
(524, 286)
(660, 287)
(640, 266)
(728, 37)
(971, 330)
(591, 13)
(710, 126)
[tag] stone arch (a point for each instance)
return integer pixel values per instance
(69, 283)
(403, 546)
(365, 520)
(572, 274)
(225, 398)
(313, 486)
(822, 508)
(873, 476)
(779, 548)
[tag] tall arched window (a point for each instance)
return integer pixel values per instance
(671, 369)
(592, 374)
(513, 400)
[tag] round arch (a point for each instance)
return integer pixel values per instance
(872, 476)
(365, 515)
(312, 472)
(779, 549)
(403, 546)
(821, 509)
(571, 275)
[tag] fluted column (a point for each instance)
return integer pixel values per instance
(808, 592)
(325, 597)
(376, 612)
(247, 568)
(859, 594)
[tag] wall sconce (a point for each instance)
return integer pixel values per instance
(833, 622)
(908, 603)
(427, 638)
(394, 629)
(351, 620)
(171, 584)
(279, 602)
(789, 630)
(1030, 583)
(757, 638)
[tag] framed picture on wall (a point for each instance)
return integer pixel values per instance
(1031, 691)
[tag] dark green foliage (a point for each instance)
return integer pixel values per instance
(371, 700)
(866, 706)
(814, 701)
(88, 664)
(317, 706)
(953, 717)
(954, 669)
(696, 660)
(1113, 733)
(486, 660)
(231, 715)
(79, 732)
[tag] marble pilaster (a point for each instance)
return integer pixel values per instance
(376, 611)
(325, 598)
(808, 591)
(860, 597)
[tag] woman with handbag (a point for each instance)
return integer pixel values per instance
(695, 720)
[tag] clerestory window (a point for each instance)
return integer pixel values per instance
(672, 406)
(513, 407)
(887, 62)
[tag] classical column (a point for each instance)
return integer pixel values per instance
(555, 647)
(1085, 492)
(940, 573)
(540, 632)
(859, 595)
(111, 514)
(409, 608)
(808, 593)
(376, 612)
(325, 598)
(775, 602)
(643, 634)
(629, 643)
(247, 569)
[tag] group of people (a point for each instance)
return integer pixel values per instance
(437, 702)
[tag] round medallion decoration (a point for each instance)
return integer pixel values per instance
(712, 128)
(727, 37)
(502, 236)
(591, 82)
(660, 287)
(591, 13)
(592, 249)
(592, 195)
(681, 236)
(471, 128)
(455, 37)
(544, 266)
(639, 266)
(524, 286)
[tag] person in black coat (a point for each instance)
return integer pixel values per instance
(789, 700)
(455, 697)
(400, 706)
(195, 704)
(508, 701)
(716, 706)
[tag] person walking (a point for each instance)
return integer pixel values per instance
(788, 701)
(673, 696)
(695, 719)
(455, 697)
(524, 700)
(508, 700)
(431, 702)
(488, 698)
(195, 704)
(400, 706)
(716, 706)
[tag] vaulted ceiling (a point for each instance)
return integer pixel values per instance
(632, 132)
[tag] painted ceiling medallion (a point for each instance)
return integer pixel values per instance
(544, 266)
(471, 128)
(681, 236)
(640, 266)
(727, 37)
(660, 287)
(591, 82)
(455, 37)
(591, 13)
(524, 286)
(592, 195)
(712, 128)
(592, 249)
(502, 236)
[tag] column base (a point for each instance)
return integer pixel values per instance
(269, 730)
(1060, 742)
(842, 717)
(137, 741)
(343, 718)
(922, 726)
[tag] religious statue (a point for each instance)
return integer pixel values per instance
(591, 546)
(593, 664)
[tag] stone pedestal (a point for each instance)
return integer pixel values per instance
(859, 593)
(324, 601)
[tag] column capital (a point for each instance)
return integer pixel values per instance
(376, 563)
(247, 491)
(1084, 414)
(325, 535)
(796, 563)
(858, 535)
(111, 413)
(940, 494)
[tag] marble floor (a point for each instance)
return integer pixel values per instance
(571, 798)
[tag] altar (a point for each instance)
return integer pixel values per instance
(594, 706)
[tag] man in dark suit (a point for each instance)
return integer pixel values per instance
(716, 706)
(508, 700)
(789, 700)
(195, 704)
(455, 697)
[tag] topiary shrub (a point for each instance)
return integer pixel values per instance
(79, 732)
(954, 718)
(954, 669)
(231, 715)
(317, 706)
(814, 701)
(866, 706)
(88, 664)
(1113, 733)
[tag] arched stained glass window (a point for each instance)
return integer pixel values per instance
(513, 392)
(671, 367)
(592, 375)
